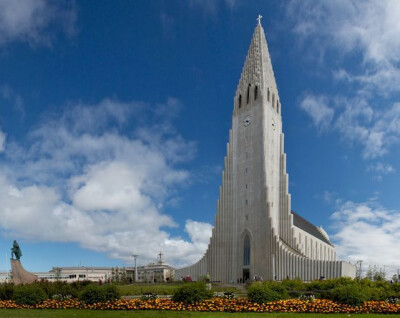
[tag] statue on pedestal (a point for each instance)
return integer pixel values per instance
(15, 250)
(19, 274)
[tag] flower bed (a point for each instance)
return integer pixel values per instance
(217, 305)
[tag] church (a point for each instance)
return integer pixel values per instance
(256, 234)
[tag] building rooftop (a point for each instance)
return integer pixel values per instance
(81, 268)
(308, 227)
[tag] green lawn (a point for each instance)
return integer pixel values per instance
(163, 289)
(24, 313)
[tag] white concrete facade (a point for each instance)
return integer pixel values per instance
(74, 274)
(255, 231)
(68, 274)
(153, 273)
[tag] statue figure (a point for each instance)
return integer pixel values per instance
(16, 251)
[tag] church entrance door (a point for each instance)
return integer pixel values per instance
(246, 274)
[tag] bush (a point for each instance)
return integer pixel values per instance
(6, 291)
(267, 292)
(58, 290)
(64, 291)
(191, 293)
(294, 284)
(323, 288)
(395, 287)
(81, 284)
(29, 294)
(111, 291)
(351, 294)
(92, 294)
(295, 287)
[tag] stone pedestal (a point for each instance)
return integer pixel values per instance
(20, 275)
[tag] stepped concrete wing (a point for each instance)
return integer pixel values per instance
(308, 227)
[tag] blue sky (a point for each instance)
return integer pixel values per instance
(114, 118)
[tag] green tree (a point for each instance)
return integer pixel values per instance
(376, 274)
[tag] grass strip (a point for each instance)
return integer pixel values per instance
(28, 313)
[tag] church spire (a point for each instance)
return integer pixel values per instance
(257, 69)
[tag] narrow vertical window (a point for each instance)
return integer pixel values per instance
(277, 106)
(273, 100)
(255, 92)
(248, 93)
(268, 94)
(240, 101)
(246, 251)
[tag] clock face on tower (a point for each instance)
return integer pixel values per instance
(247, 121)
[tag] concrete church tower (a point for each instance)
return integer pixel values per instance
(255, 232)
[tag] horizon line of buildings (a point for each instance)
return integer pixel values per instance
(157, 272)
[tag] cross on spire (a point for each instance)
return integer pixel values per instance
(259, 19)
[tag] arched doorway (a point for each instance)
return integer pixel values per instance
(246, 258)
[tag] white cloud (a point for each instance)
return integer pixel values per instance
(380, 169)
(85, 179)
(199, 233)
(370, 26)
(2, 141)
(364, 38)
(316, 107)
(328, 196)
(376, 130)
(366, 231)
(356, 121)
(34, 21)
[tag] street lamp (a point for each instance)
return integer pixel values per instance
(136, 274)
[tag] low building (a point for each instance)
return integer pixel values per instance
(5, 277)
(73, 274)
(158, 272)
